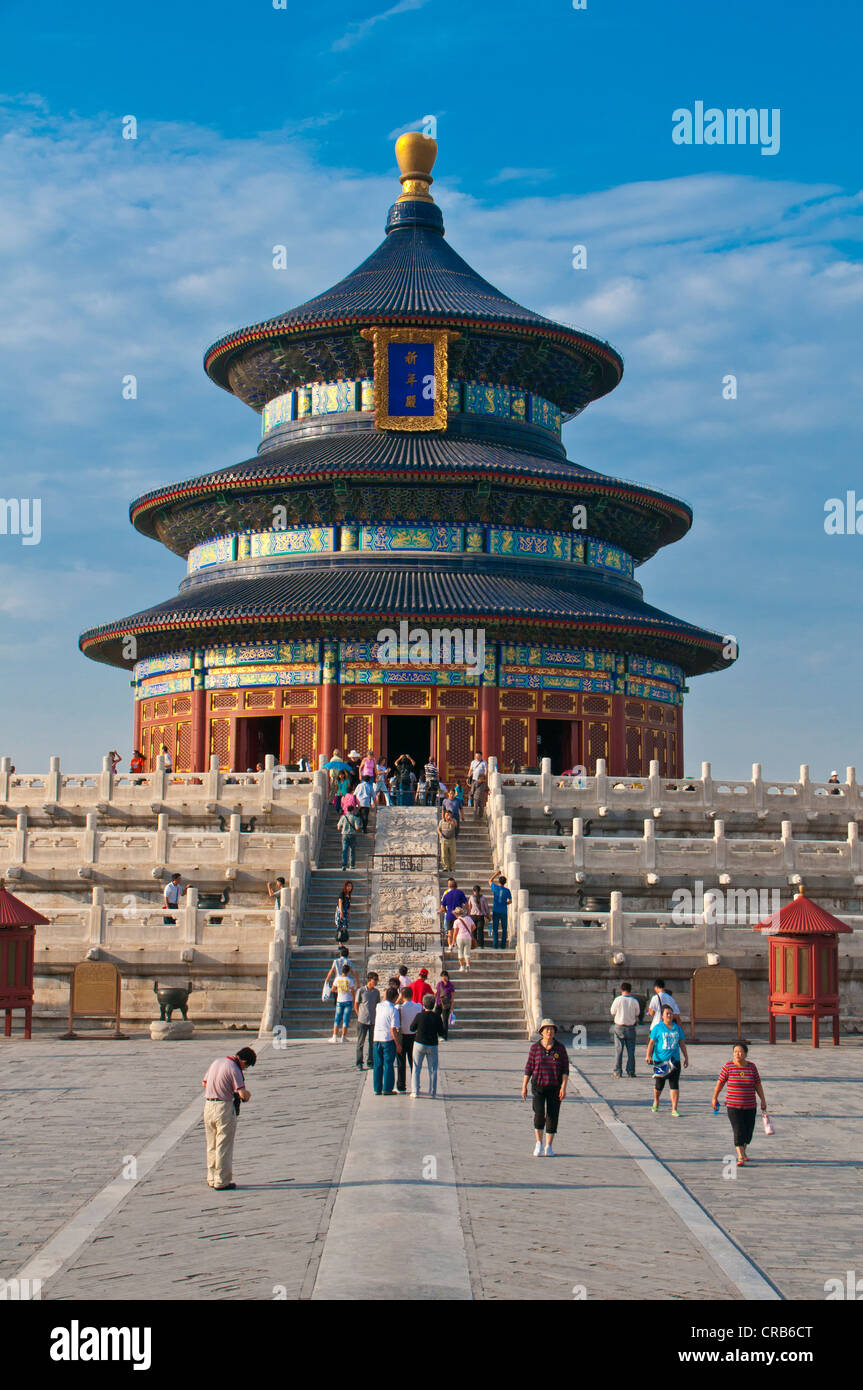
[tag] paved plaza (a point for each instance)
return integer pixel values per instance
(103, 1194)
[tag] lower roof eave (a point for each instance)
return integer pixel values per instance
(694, 656)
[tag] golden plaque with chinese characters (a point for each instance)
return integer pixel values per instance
(411, 382)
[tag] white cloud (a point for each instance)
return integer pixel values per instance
(363, 27)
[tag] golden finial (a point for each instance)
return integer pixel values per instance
(801, 891)
(416, 154)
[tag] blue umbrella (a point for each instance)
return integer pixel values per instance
(336, 765)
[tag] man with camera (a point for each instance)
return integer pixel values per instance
(224, 1089)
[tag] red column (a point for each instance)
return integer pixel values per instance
(136, 732)
(678, 771)
(617, 738)
(200, 762)
(330, 733)
(329, 737)
(489, 721)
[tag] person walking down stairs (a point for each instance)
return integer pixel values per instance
(344, 990)
(348, 825)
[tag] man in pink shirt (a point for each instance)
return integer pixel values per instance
(224, 1088)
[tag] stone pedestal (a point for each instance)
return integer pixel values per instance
(405, 912)
(176, 1031)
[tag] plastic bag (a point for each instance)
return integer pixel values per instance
(767, 1122)
(326, 992)
(451, 1019)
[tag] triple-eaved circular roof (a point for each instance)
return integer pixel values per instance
(415, 278)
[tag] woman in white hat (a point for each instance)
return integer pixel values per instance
(547, 1069)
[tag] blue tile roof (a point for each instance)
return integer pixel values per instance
(415, 275)
(360, 454)
(357, 590)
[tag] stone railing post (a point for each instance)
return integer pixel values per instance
(158, 785)
(160, 840)
(214, 779)
(53, 785)
(719, 846)
(521, 916)
(106, 779)
(545, 781)
(853, 798)
(577, 844)
(97, 917)
(854, 852)
(190, 917)
(805, 787)
(232, 847)
(709, 922)
(648, 843)
(757, 787)
(654, 783)
(788, 845)
(19, 849)
(295, 894)
(534, 978)
(707, 784)
(600, 782)
(267, 781)
(88, 838)
(5, 778)
(503, 835)
(616, 923)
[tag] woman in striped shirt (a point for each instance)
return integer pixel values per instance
(744, 1084)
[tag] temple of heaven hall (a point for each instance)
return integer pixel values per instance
(411, 563)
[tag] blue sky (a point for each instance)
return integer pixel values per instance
(260, 126)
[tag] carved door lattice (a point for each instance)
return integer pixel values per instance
(220, 742)
(633, 748)
(459, 742)
(358, 733)
(302, 738)
(183, 761)
(513, 740)
(596, 744)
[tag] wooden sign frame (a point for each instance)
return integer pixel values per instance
(95, 1009)
(694, 1016)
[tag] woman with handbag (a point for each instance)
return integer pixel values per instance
(443, 1001)
(342, 915)
(664, 1046)
(744, 1084)
(477, 906)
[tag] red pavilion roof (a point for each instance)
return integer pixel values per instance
(14, 913)
(802, 917)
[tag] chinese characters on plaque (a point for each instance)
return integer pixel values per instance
(411, 383)
(411, 390)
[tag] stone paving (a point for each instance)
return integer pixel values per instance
(587, 1223)
(174, 1237)
(797, 1209)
